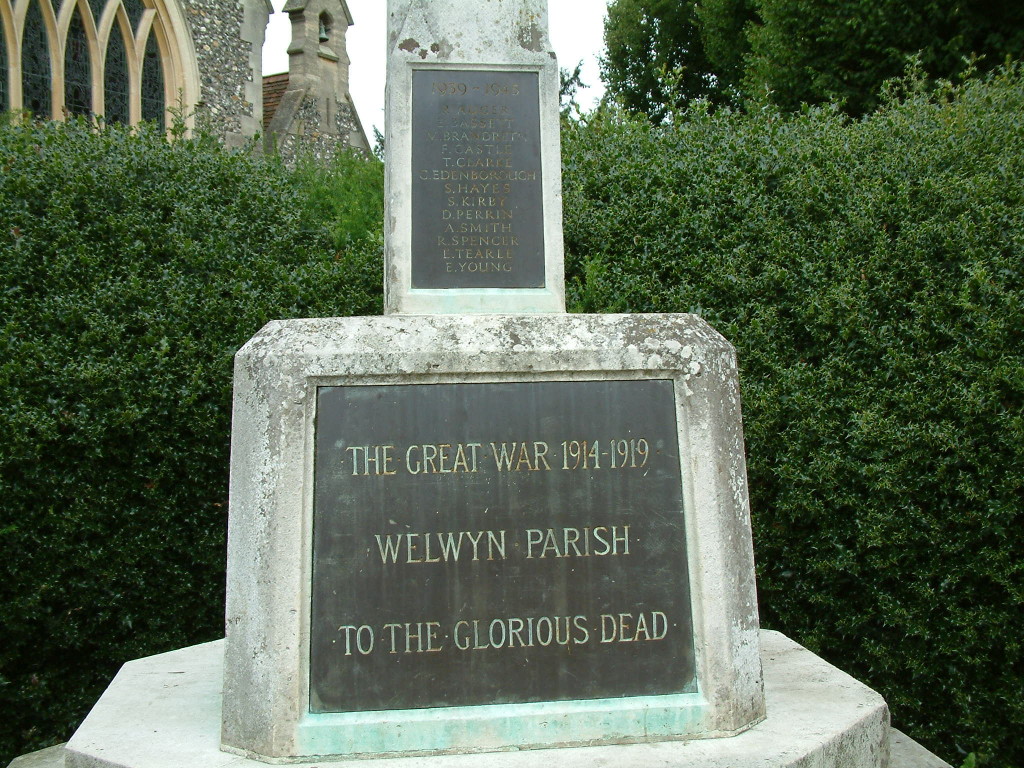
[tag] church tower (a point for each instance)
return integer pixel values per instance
(309, 109)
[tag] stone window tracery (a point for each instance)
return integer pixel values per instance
(97, 6)
(134, 8)
(119, 59)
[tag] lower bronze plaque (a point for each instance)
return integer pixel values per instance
(497, 543)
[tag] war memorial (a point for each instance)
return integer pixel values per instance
(479, 530)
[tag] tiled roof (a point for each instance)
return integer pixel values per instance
(274, 87)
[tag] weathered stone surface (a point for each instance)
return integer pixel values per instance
(904, 752)
(473, 201)
(162, 712)
(228, 40)
(278, 375)
(51, 757)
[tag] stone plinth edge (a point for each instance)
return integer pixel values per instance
(904, 752)
(164, 712)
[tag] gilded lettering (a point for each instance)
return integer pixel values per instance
(430, 458)
(623, 628)
(440, 547)
(520, 456)
(574, 542)
(363, 638)
(372, 459)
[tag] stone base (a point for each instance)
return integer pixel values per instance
(481, 379)
(904, 752)
(51, 757)
(165, 712)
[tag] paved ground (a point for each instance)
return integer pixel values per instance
(904, 753)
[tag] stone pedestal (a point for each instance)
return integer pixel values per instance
(346, 440)
(164, 712)
(473, 189)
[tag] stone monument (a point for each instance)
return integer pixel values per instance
(474, 202)
(485, 528)
(479, 524)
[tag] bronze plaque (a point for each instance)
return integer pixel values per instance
(477, 191)
(497, 543)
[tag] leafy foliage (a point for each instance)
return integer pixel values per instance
(569, 83)
(346, 196)
(646, 40)
(723, 25)
(131, 269)
(870, 274)
(810, 51)
(791, 52)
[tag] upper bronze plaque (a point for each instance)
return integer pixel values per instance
(477, 194)
(497, 543)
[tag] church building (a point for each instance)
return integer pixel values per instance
(133, 60)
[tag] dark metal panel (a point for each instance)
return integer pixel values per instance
(497, 543)
(477, 187)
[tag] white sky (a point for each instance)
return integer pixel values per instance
(576, 28)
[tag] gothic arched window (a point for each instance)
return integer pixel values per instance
(77, 69)
(35, 63)
(116, 91)
(153, 107)
(61, 44)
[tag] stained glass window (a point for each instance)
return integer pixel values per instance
(5, 102)
(35, 64)
(134, 83)
(115, 79)
(134, 9)
(97, 7)
(152, 83)
(77, 72)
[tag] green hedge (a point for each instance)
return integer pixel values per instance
(131, 269)
(871, 275)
